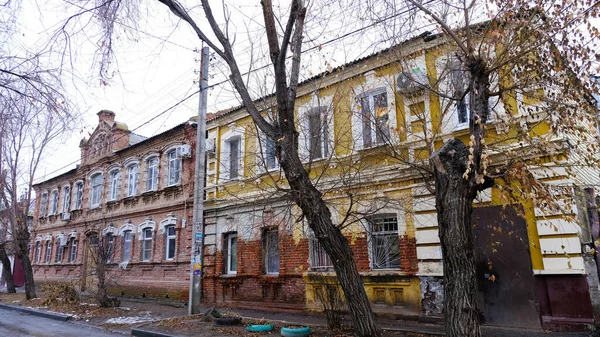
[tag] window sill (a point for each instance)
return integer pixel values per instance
(228, 275)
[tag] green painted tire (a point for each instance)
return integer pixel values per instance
(295, 332)
(259, 327)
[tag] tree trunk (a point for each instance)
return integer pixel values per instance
(454, 203)
(310, 200)
(22, 251)
(101, 293)
(7, 270)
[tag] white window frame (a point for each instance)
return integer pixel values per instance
(53, 202)
(323, 103)
(230, 163)
(152, 173)
(132, 179)
(174, 164)
(114, 177)
(38, 251)
(110, 240)
(66, 201)
(146, 240)
(48, 253)
(374, 129)
(318, 258)
(59, 252)
(72, 250)
(96, 190)
(373, 235)
(127, 244)
(229, 257)
(78, 195)
(168, 243)
(44, 204)
(224, 153)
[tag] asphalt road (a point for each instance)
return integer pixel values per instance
(16, 324)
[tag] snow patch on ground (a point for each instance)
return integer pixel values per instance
(129, 320)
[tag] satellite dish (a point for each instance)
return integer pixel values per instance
(404, 81)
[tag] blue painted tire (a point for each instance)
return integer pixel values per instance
(259, 327)
(295, 332)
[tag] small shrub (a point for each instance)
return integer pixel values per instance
(59, 293)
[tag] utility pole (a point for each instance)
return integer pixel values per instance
(196, 258)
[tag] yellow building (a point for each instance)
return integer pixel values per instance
(366, 130)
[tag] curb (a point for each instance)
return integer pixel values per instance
(36, 312)
(146, 333)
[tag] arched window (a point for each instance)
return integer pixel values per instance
(78, 195)
(146, 244)
(96, 190)
(132, 177)
(127, 241)
(54, 202)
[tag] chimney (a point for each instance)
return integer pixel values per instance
(106, 115)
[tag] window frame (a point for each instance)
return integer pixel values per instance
(110, 241)
(146, 241)
(114, 177)
(152, 174)
(127, 245)
(72, 250)
(175, 163)
(96, 190)
(38, 251)
(322, 113)
(318, 254)
(53, 202)
(132, 179)
(267, 233)
(168, 243)
(48, 253)
(59, 252)
(230, 163)
(44, 204)
(372, 120)
(228, 256)
(386, 235)
(66, 201)
(267, 156)
(78, 193)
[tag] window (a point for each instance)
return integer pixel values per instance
(66, 199)
(375, 119)
(152, 180)
(59, 252)
(114, 178)
(109, 247)
(38, 251)
(385, 244)
(53, 202)
(132, 177)
(72, 250)
(233, 145)
(127, 246)
(318, 133)
(96, 190)
(48, 251)
(78, 192)
(146, 244)
(44, 204)
(460, 85)
(269, 153)
(319, 259)
(230, 253)
(170, 236)
(271, 249)
(174, 168)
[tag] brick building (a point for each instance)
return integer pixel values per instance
(138, 192)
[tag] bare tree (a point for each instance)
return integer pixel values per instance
(285, 38)
(30, 128)
(102, 247)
